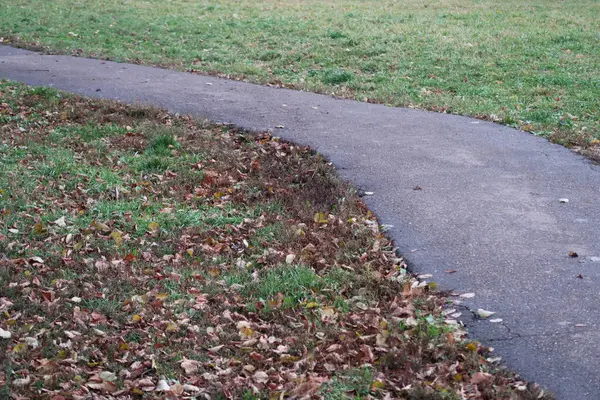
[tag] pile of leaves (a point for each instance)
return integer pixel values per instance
(147, 255)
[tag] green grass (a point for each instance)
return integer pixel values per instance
(533, 65)
(357, 381)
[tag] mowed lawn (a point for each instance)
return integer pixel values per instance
(533, 64)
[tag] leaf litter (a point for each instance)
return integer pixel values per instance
(147, 255)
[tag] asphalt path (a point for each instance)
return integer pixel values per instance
(458, 194)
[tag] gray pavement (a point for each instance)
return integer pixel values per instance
(489, 205)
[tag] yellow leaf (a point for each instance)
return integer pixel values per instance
(328, 312)
(190, 252)
(153, 226)
(117, 237)
(137, 391)
(312, 304)
(62, 354)
(100, 226)
(136, 318)
(246, 332)
(288, 358)
(38, 228)
(377, 385)
(20, 348)
(124, 346)
(320, 218)
(162, 296)
(214, 272)
(171, 327)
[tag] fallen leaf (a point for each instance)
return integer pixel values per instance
(481, 377)
(38, 228)
(36, 260)
(60, 222)
(162, 386)
(22, 381)
(176, 389)
(215, 348)
(190, 366)
(20, 348)
(190, 388)
(320, 218)
(107, 376)
(171, 327)
(481, 313)
(117, 237)
(48, 295)
(260, 377)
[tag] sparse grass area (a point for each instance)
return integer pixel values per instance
(241, 267)
(533, 65)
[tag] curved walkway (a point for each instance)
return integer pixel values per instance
(461, 195)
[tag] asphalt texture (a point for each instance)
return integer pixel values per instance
(460, 194)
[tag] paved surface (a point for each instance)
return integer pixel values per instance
(489, 205)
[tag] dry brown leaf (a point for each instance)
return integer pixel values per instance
(260, 377)
(190, 366)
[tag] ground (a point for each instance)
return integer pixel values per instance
(532, 65)
(145, 254)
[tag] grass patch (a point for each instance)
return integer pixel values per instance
(336, 77)
(163, 145)
(357, 382)
(531, 65)
(242, 247)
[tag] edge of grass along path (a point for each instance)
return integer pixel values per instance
(532, 65)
